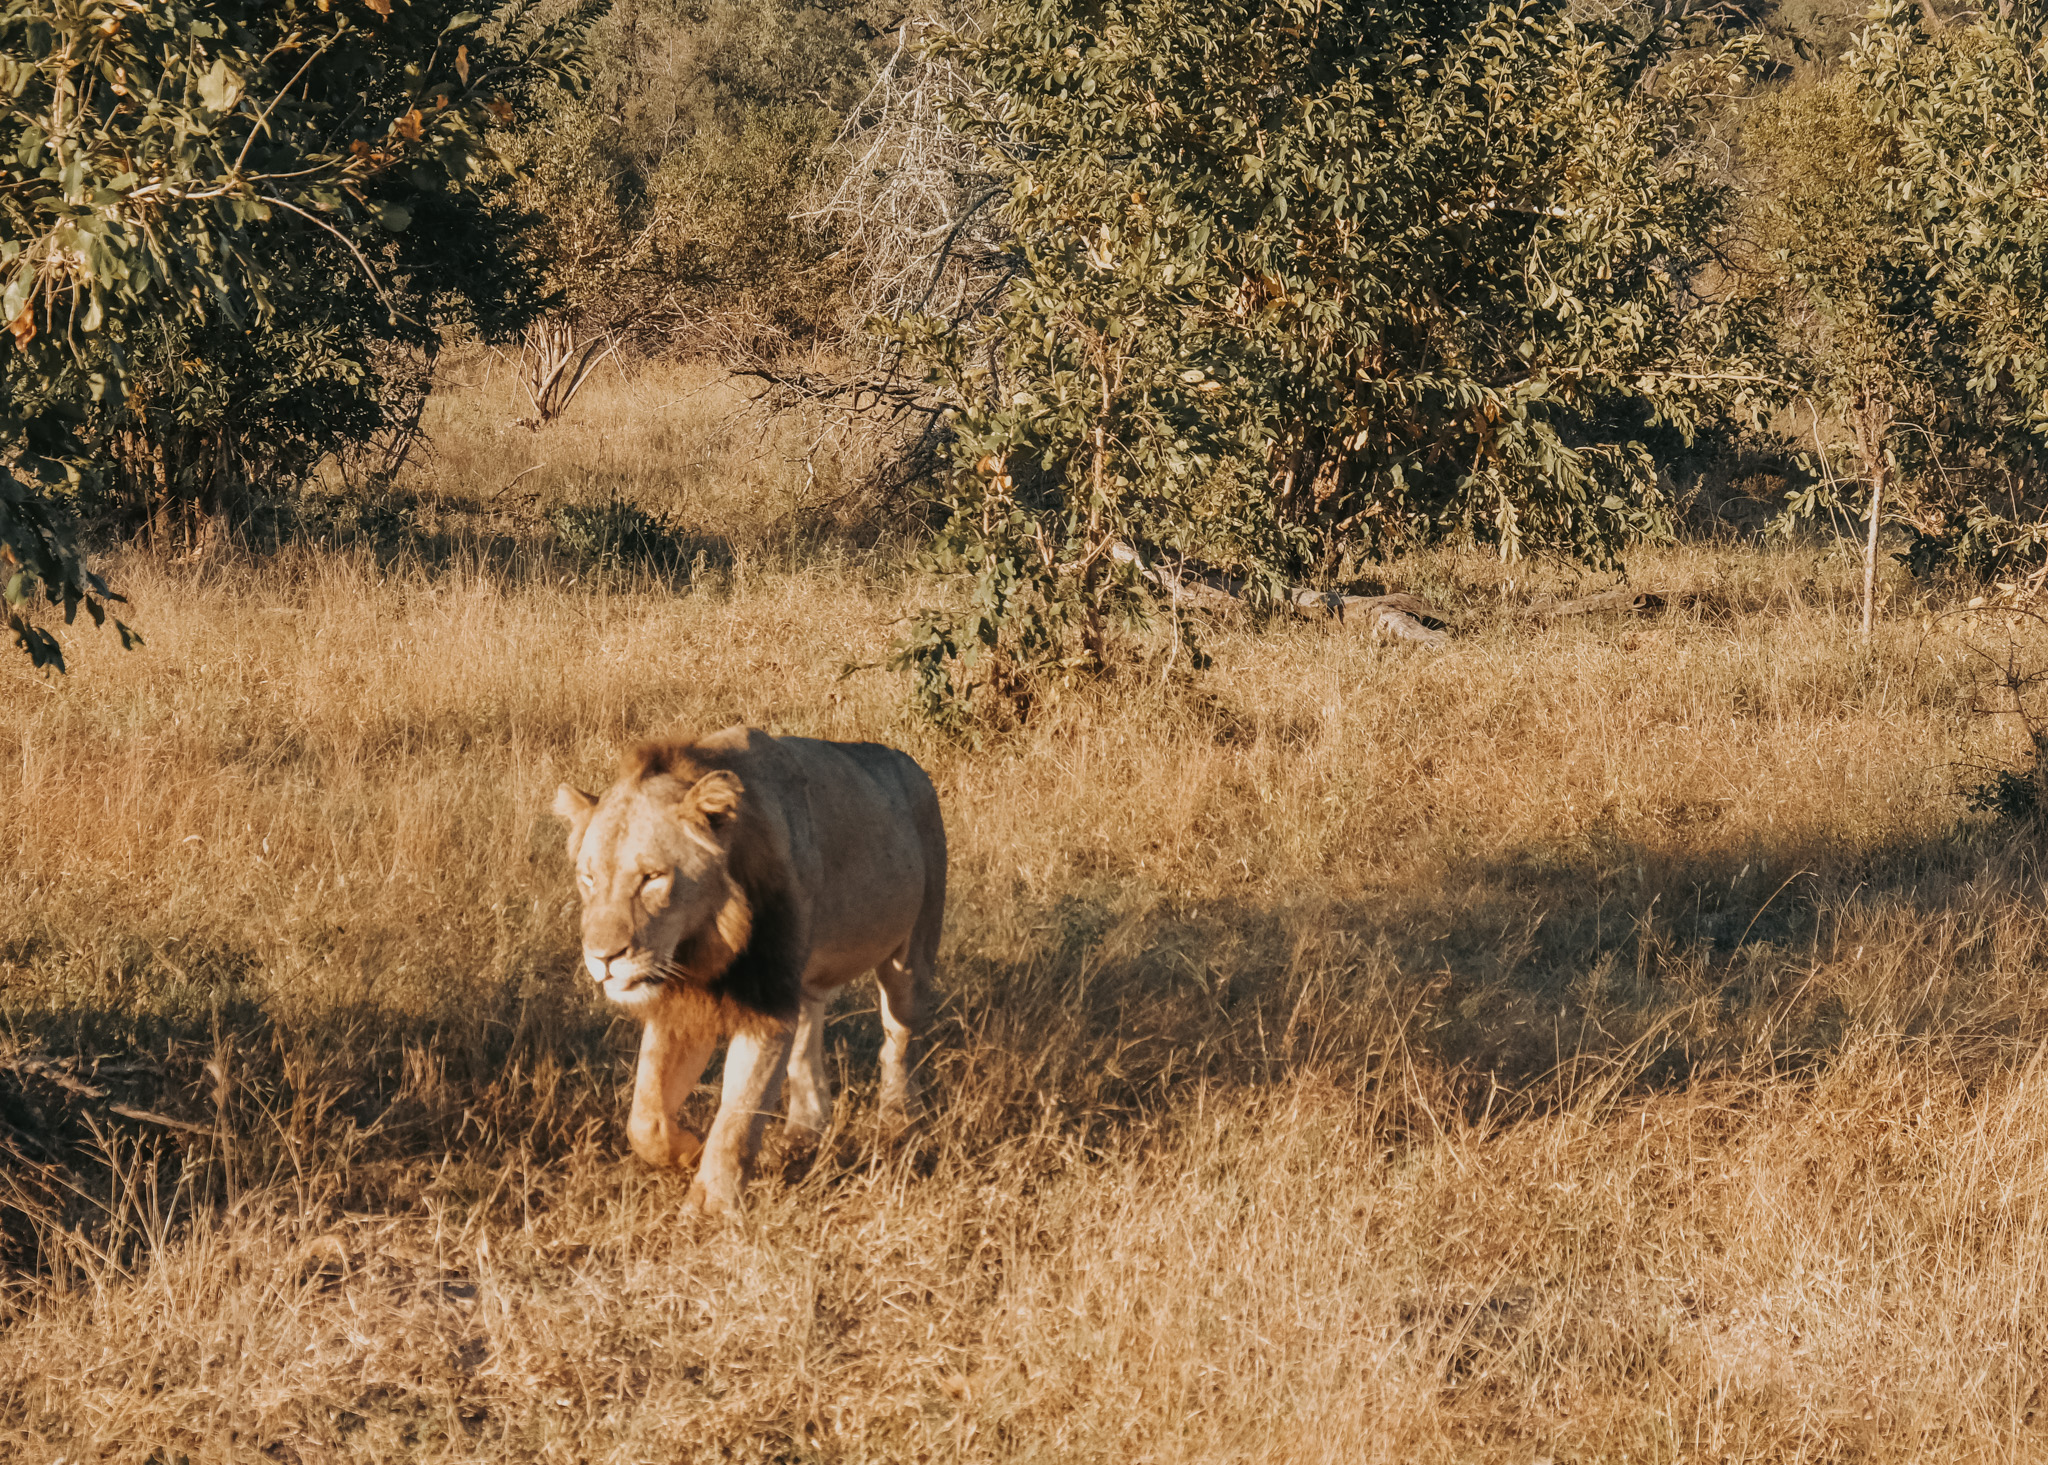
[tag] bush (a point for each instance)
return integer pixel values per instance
(185, 268)
(1298, 285)
(614, 535)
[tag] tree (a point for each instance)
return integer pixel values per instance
(177, 174)
(1963, 114)
(1862, 353)
(1300, 282)
(1901, 197)
(669, 196)
(216, 421)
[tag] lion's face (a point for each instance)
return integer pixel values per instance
(650, 858)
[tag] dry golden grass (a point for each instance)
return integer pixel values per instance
(1593, 1042)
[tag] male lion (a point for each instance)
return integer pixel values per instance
(729, 886)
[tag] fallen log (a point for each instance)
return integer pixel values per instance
(1624, 601)
(1397, 614)
(1399, 624)
(1400, 617)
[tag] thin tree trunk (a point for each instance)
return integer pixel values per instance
(1872, 446)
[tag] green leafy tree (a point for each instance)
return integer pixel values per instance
(1866, 365)
(1962, 180)
(1301, 282)
(218, 422)
(1901, 199)
(174, 176)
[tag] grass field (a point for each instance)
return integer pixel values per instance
(1598, 1041)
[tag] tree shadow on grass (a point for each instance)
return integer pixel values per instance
(1511, 985)
(349, 1106)
(611, 539)
(1533, 975)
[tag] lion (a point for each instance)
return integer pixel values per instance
(730, 886)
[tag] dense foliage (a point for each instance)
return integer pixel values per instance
(1899, 200)
(1863, 359)
(1961, 178)
(1291, 284)
(207, 190)
(1299, 282)
(669, 196)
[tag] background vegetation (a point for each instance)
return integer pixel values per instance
(1584, 1038)
(1588, 1037)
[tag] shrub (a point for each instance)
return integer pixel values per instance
(613, 535)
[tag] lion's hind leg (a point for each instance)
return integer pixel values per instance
(906, 977)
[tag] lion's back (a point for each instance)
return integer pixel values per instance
(866, 833)
(861, 792)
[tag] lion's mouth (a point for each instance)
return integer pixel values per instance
(634, 987)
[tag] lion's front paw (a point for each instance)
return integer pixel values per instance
(802, 1139)
(665, 1144)
(898, 1119)
(712, 1200)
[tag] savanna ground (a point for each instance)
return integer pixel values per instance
(1588, 1041)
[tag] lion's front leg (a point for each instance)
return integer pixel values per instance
(672, 1059)
(754, 1065)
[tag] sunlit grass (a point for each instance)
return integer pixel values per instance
(1599, 1038)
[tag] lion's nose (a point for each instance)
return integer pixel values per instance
(601, 966)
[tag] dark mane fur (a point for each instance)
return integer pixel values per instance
(764, 978)
(653, 758)
(762, 981)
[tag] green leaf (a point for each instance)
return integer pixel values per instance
(220, 88)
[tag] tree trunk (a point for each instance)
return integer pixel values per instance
(554, 363)
(1873, 421)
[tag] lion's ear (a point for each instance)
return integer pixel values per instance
(575, 806)
(715, 797)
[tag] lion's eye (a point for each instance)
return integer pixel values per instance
(583, 881)
(654, 883)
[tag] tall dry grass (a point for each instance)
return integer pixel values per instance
(1585, 1042)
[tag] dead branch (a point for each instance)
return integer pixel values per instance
(1400, 617)
(554, 363)
(918, 214)
(908, 192)
(61, 1076)
(1624, 601)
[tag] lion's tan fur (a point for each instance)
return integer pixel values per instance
(730, 885)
